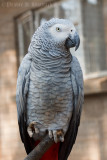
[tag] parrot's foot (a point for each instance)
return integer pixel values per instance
(57, 135)
(32, 128)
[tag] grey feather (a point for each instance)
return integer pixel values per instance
(78, 94)
(21, 96)
(50, 88)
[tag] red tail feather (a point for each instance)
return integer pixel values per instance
(51, 153)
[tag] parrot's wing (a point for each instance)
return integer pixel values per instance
(21, 99)
(78, 98)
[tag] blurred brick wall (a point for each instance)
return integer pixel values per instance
(91, 142)
(9, 135)
(105, 20)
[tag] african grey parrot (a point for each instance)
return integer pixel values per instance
(49, 93)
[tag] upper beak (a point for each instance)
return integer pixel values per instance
(73, 41)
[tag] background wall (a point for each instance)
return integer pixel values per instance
(91, 142)
(9, 134)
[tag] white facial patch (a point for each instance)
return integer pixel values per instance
(61, 31)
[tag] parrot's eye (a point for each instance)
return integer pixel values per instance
(58, 29)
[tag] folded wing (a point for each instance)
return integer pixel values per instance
(78, 98)
(21, 99)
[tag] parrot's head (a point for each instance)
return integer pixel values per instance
(64, 33)
(57, 33)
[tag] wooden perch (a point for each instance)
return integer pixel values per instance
(40, 149)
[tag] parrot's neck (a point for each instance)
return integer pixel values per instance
(54, 60)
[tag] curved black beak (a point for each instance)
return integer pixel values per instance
(73, 41)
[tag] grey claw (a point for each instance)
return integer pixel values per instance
(50, 134)
(62, 138)
(32, 128)
(55, 136)
(36, 130)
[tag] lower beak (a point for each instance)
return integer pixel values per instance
(73, 41)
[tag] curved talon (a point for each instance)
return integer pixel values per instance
(57, 135)
(50, 134)
(61, 138)
(36, 130)
(30, 132)
(32, 128)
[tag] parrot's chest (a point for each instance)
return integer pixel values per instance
(50, 98)
(50, 89)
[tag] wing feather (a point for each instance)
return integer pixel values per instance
(21, 99)
(78, 98)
